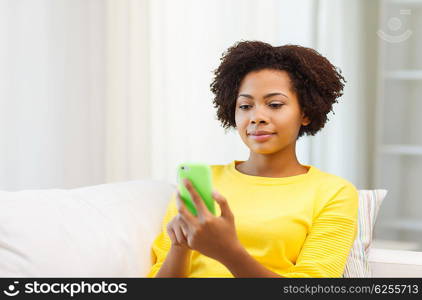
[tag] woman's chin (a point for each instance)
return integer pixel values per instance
(262, 149)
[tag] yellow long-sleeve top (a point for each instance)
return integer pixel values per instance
(296, 226)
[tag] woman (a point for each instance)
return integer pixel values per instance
(279, 218)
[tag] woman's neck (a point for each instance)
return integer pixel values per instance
(267, 166)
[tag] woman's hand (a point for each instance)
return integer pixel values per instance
(212, 236)
(176, 230)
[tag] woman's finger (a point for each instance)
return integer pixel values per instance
(184, 226)
(179, 235)
(172, 235)
(197, 199)
(224, 205)
(187, 216)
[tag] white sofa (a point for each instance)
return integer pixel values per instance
(395, 263)
(106, 231)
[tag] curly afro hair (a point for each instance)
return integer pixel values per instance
(316, 82)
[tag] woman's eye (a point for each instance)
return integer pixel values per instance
(276, 105)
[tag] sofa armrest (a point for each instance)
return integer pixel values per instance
(395, 263)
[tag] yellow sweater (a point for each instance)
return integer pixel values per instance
(297, 226)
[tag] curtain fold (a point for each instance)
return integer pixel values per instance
(343, 35)
(127, 103)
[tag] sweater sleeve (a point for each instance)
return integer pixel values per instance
(327, 246)
(162, 243)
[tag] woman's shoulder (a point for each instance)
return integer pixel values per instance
(217, 169)
(335, 193)
(329, 180)
(331, 187)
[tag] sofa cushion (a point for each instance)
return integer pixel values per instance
(357, 264)
(97, 231)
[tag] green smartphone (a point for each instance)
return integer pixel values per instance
(199, 175)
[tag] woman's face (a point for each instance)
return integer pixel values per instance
(266, 102)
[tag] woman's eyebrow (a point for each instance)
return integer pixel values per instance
(266, 96)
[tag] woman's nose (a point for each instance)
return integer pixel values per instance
(260, 121)
(258, 116)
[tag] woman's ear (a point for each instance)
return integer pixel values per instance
(305, 120)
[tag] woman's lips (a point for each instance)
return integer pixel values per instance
(261, 138)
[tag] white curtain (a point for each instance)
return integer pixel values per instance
(127, 102)
(100, 91)
(51, 93)
(346, 36)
